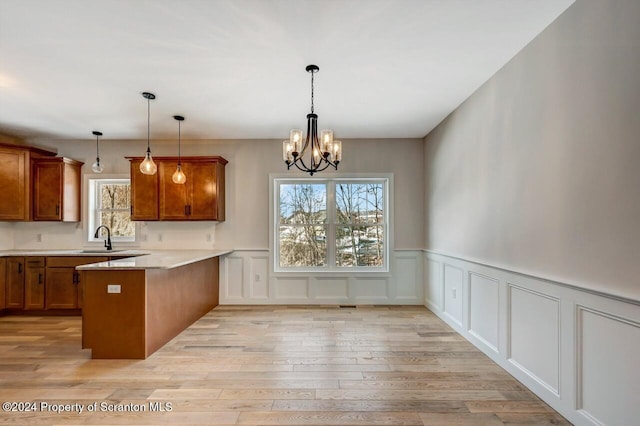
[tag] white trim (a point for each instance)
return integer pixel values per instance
(88, 222)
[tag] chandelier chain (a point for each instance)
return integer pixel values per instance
(312, 72)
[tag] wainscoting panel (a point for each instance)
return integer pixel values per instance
(453, 283)
(483, 309)
(534, 323)
(259, 272)
(331, 289)
(292, 288)
(612, 344)
(576, 349)
(433, 290)
(246, 279)
(232, 267)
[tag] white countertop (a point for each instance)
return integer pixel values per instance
(133, 259)
(155, 259)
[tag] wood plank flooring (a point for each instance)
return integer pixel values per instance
(267, 366)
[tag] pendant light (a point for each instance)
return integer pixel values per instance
(97, 167)
(148, 167)
(179, 176)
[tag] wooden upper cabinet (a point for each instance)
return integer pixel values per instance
(144, 193)
(200, 198)
(14, 181)
(56, 189)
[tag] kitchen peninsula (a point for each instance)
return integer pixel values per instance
(134, 306)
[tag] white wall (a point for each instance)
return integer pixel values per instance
(247, 180)
(533, 215)
(538, 170)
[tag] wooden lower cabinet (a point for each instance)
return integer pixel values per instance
(3, 280)
(14, 287)
(63, 285)
(34, 283)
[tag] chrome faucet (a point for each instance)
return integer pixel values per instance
(107, 242)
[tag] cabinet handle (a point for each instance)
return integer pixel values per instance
(75, 278)
(131, 208)
(189, 209)
(19, 267)
(40, 278)
(186, 210)
(57, 210)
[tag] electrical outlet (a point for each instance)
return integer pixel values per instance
(160, 237)
(454, 293)
(39, 238)
(208, 238)
(258, 278)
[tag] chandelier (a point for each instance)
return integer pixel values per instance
(323, 151)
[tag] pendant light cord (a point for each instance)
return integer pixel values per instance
(179, 143)
(148, 124)
(97, 151)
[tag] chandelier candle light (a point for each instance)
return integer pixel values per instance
(324, 151)
(97, 167)
(179, 176)
(148, 167)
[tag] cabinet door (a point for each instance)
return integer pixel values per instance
(34, 283)
(15, 283)
(202, 200)
(144, 194)
(3, 280)
(173, 197)
(61, 288)
(47, 190)
(14, 181)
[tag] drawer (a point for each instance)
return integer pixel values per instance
(34, 262)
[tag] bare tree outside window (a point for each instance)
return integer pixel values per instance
(303, 229)
(110, 206)
(359, 224)
(348, 232)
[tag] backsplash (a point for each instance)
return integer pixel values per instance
(152, 235)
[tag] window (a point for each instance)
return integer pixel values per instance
(109, 204)
(331, 224)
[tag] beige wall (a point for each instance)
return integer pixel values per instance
(539, 170)
(250, 163)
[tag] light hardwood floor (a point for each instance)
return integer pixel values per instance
(269, 366)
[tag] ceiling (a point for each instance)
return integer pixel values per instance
(236, 69)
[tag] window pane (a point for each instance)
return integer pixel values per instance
(359, 203)
(303, 246)
(360, 245)
(119, 223)
(115, 196)
(303, 203)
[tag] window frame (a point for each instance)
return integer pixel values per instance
(91, 212)
(331, 180)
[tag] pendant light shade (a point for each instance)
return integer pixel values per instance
(179, 176)
(97, 167)
(148, 167)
